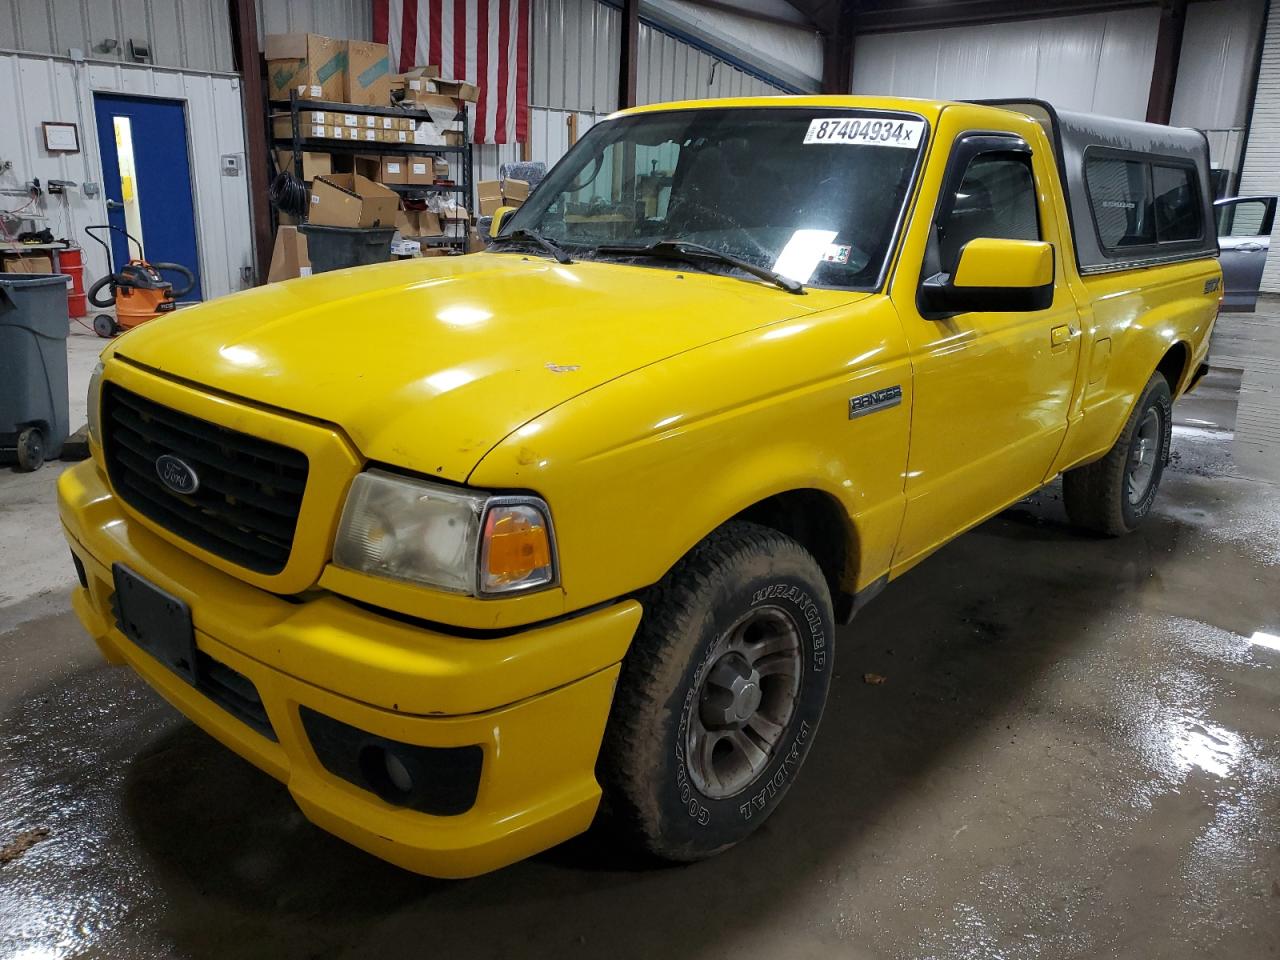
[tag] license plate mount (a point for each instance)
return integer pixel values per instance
(156, 621)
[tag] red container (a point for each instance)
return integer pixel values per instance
(71, 262)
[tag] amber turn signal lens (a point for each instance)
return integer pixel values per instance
(517, 549)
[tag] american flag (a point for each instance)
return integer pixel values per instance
(485, 42)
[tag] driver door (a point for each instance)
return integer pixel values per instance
(1244, 239)
(991, 389)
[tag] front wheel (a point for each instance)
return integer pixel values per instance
(720, 695)
(1112, 495)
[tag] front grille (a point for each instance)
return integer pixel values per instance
(250, 490)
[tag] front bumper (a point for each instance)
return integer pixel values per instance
(535, 703)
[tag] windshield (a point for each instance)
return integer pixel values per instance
(814, 194)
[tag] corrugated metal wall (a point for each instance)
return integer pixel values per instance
(53, 88)
(191, 34)
(670, 69)
(1262, 154)
(1098, 62)
(346, 19)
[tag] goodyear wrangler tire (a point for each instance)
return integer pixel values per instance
(1111, 496)
(720, 695)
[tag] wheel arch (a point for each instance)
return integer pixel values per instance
(1175, 365)
(818, 522)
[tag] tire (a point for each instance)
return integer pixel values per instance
(1111, 496)
(747, 604)
(30, 449)
(104, 326)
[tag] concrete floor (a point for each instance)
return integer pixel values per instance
(1076, 754)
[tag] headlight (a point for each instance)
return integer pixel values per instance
(94, 401)
(445, 537)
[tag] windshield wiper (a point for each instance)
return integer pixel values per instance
(545, 243)
(689, 251)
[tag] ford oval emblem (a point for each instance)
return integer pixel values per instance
(176, 475)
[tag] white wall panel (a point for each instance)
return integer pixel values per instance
(1262, 155)
(191, 34)
(1098, 62)
(344, 19)
(51, 88)
(1215, 70)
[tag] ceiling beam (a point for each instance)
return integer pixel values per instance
(760, 16)
(878, 16)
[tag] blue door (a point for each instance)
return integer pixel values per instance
(147, 182)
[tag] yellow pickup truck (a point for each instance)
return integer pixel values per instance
(457, 547)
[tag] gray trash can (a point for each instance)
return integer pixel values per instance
(33, 367)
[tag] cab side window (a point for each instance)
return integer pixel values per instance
(996, 198)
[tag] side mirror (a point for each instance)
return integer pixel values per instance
(499, 217)
(993, 276)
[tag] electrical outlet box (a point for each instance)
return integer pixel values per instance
(231, 164)
(89, 188)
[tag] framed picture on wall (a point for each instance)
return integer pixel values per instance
(61, 137)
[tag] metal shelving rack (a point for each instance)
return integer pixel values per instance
(461, 186)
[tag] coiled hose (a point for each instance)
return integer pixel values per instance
(288, 194)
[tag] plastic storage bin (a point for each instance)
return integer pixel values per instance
(333, 248)
(33, 367)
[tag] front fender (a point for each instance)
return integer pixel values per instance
(640, 469)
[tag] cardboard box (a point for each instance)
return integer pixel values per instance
(515, 192)
(459, 89)
(404, 123)
(429, 224)
(367, 135)
(489, 196)
(289, 258)
(368, 76)
(28, 263)
(368, 165)
(419, 170)
(453, 138)
(407, 222)
(311, 123)
(313, 164)
(421, 73)
(351, 200)
(305, 60)
(435, 252)
(441, 167)
(443, 110)
(392, 170)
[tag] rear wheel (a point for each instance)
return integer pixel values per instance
(1112, 495)
(720, 695)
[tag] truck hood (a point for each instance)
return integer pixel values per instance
(426, 364)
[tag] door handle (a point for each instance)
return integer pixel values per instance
(1061, 334)
(114, 204)
(1249, 247)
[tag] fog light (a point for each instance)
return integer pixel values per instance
(392, 777)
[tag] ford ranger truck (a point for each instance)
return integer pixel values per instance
(456, 547)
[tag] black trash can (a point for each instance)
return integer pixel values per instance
(333, 248)
(33, 367)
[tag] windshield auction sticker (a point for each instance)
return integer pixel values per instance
(863, 130)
